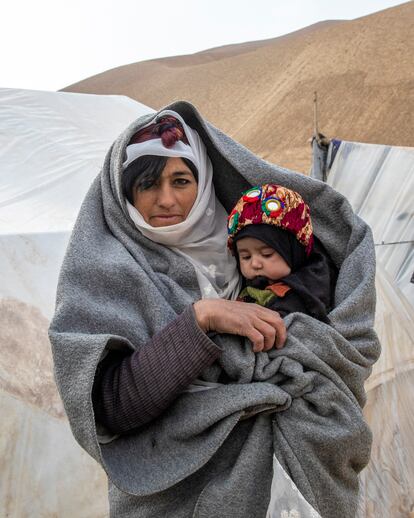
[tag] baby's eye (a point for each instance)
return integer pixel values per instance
(244, 257)
(267, 254)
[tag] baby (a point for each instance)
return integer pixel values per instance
(284, 266)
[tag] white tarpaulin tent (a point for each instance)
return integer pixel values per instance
(379, 183)
(52, 145)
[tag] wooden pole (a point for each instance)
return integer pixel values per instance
(315, 115)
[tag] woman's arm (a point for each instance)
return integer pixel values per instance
(132, 391)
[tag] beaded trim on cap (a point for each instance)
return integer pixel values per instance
(272, 204)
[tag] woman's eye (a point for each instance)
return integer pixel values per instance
(145, 187)
(145, 184)
(181, 181)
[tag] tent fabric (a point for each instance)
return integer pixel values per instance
(58, 141)
(52, 145)
(379, 183)
(322, 368)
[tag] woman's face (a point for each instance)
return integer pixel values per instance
(169, 200)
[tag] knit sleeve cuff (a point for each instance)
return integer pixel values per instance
(187, 323)
(183, 348)
(140, 387)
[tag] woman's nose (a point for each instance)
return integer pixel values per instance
(166, 197)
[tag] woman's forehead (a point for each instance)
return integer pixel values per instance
(175, 167)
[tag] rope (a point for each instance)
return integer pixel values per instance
(394, 243)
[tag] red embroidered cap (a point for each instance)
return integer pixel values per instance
(272, 204)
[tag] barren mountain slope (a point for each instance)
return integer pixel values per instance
(261, 93)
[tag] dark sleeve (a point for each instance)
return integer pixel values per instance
(290, 303)
(133, 390)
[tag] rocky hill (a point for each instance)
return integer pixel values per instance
(261, 93)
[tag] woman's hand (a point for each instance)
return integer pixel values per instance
(262, 326)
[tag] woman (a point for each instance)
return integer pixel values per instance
(134, 301)
(171, 200)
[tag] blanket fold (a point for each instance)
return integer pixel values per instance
(204, 456)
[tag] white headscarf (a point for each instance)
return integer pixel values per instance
(202, 237)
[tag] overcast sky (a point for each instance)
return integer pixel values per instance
(49, 44)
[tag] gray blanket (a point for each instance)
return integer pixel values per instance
(210, 454)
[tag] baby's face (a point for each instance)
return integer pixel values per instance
(259, 259)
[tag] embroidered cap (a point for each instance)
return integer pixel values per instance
(272, 204)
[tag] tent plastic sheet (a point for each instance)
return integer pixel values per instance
(52, 146)
(379, 183)
(286, 501)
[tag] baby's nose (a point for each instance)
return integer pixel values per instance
(256, 263)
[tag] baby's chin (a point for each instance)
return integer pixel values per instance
(259, 282)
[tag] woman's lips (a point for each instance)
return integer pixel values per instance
(167, 218)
